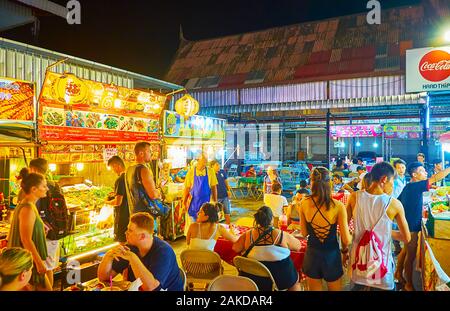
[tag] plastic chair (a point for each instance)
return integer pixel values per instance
(201, 266)
(183, 277)
(232, 283)
(254, 267)
(232, 172)
(233, 182)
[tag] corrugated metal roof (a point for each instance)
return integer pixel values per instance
(349, 36)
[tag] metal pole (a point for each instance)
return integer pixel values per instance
(283, 141)
(328, 138)
(426, 128)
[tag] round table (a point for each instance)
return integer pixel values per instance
(225, 250)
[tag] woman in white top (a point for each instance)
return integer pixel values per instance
(204, 233)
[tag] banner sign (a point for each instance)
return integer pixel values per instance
(356, 131)
(16, 100)
(72, 109)
(410, 131)
(201, 127)
(428, 69)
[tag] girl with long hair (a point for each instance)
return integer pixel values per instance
(319, 216)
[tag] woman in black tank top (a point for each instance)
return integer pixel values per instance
(320, 215)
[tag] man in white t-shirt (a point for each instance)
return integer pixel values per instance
(361, 172)
(276, 202)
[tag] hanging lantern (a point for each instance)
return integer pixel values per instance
(187, 106)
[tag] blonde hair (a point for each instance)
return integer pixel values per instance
(14, 261)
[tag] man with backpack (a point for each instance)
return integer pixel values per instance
(140, 184)
(53, 211)
(373, 211)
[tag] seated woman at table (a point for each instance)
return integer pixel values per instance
(250, 172)
(204, 233)
(339, 186)
(293, 212)
(272, 248)
(319, 216)
(15, 269)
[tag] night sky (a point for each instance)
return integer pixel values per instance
(142, 35)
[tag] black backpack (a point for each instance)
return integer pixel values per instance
(53, 211)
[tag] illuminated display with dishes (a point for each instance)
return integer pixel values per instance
(72, 109)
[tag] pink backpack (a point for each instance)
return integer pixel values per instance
(369, 258)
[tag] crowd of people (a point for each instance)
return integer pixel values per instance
(385, 210)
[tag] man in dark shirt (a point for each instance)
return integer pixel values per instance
(223, 190)
(145, 257)
(412, 200)
(120, 202)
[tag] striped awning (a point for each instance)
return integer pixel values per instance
(394, 100)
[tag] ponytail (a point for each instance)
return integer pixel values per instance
(29, 180)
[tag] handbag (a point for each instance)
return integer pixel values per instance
(145, 204)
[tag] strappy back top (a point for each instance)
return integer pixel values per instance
(269, 249)
(321, 237)
(199, 243)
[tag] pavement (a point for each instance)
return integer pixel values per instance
(242, 212)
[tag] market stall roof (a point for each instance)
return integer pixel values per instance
(139, 80)
(16, 131)
(335, 48)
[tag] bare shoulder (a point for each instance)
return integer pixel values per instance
(396, 205)
(338, 204)
(193, 228)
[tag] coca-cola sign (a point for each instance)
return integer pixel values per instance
(428, 69)
(435, 66)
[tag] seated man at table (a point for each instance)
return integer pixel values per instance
(272, 247)
(276, 202)
(204, 233)
(145, 257)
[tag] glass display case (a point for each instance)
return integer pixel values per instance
(83, 242)
(91, 221)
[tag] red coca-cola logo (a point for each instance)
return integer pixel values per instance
(435, 66)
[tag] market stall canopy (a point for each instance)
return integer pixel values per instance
(194, 127)
(16, 111)
(16, 131)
